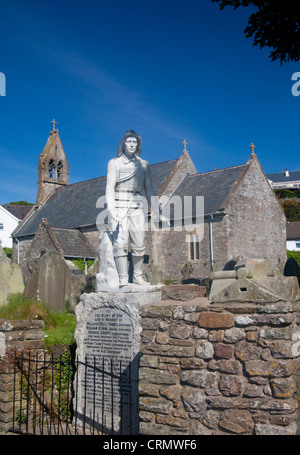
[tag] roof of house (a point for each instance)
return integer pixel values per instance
(293, 230)
(215, 186)
(19, 211)
(73, 243)
(74, 206)
(280, 177)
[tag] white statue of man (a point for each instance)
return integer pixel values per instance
(128, 182)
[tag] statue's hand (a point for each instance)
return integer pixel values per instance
(161, 219)
(113, 220)
(112, 216)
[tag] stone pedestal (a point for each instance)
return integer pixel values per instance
(108, 345)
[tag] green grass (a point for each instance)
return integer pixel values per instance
(59, 325)
(62, 332)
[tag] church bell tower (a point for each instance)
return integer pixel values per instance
(53, 168)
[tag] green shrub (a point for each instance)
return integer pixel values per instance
(291, 209)
(80, 264)
(8, 252)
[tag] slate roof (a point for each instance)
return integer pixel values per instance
(214, 186)
(280, 177)
(19, 211)
(73, 243)
(74, 206)
(293, 230)
(160, 172)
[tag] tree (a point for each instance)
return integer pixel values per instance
(20, 203)
(291, 209)
(276, 25)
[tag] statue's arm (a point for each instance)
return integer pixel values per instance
(110, 187)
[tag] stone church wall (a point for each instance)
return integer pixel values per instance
(212, 369)
(183, 167)
(92, 234)
(169, 251)
(256, 224)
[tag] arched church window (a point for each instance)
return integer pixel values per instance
(59, 169)
(52, 174)
(194, 247)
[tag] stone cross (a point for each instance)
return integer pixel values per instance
(252, 146)
(54, 123)
(184, 144)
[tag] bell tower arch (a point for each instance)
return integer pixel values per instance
(53, 168)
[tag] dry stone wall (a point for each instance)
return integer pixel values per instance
(210, 368)
(15, 336)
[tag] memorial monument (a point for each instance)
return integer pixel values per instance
(129, 193)
(108, 327)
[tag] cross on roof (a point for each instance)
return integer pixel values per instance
(184, 144)
(252, 146)
(54, 123)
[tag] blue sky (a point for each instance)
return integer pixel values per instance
(171, 70)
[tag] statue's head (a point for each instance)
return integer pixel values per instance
(130, 134)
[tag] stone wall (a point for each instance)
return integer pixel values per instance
(92, 234)
(15, 336)
(255, 224)
(211, 368)
(183, 167)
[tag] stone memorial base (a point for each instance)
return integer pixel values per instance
(108, 351)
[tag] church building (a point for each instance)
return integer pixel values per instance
(242, 217)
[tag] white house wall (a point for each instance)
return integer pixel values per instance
(293, 245)
(8, 223)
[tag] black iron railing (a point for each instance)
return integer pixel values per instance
(72, 396)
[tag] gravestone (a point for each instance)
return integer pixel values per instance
(11, 278)
(253, 280)
(49, 280)
(108, 340)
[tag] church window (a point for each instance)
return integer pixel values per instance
(59, 169)
(194, 247)
(52, 175)
(1, 226)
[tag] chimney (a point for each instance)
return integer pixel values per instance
(287, 174)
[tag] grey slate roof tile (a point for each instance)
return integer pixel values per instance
(73, 243)
(214, 186)
(293, 230)
(19, 211)
(280, 177)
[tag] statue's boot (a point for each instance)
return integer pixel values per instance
(121, 264)
(137, 262)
